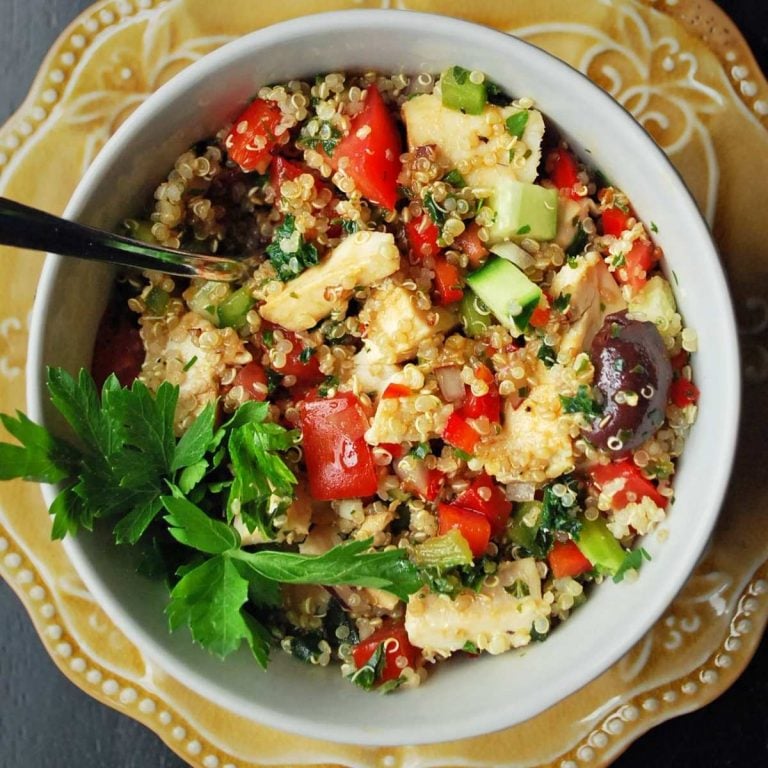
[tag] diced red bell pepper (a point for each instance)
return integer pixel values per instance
(435, 481)
(118, 348)
(394, 390)
(683, 392)
(395, 450)
(253, 379)
(252, 139)
(448, 287)
(614, 221)
(489, 404)
(398, 651)
(459, 434)
(563, 170)
(422, 234)
(540, 316)
(486, 497)
(640, 259)
(470, 243)
(339, 461)
(305, 368)
(634, 483)
(372, 151)
(473, 526)
(566, 559)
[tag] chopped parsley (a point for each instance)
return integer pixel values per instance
(289, 253)
(463, 455)
(368, 675)
(518, 588)
(581, 402)
(560, 303)
(331, 382)
(547, 355)
(654, 228)
(350, 226)
(516, 123)
(421, 451)
(306, 354)
(524, 230)
(633, 561)
(268, 337)
(436, 213)
(327, 138)
(192, 360)
(577, 244)
(455, 179)
(619, 260)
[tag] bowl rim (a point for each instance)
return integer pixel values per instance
(728, 406)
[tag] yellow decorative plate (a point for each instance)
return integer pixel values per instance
(684, 71)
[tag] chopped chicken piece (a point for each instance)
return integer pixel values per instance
(193, 354)
(594, 295)
(359, 260)
(482, 141)
(494, 619)
(535, 443)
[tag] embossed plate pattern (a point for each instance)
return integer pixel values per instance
(686, 74)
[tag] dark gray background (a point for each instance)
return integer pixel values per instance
(46, 722)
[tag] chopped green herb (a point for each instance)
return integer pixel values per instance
(633, 561)
(654, 228)
(331, 382)
(455, 179)
(436, 213)
(516, 123)
(268, 337)
(547, 355)
(518, 588)
(674, 275)
(369, 674)
(289, 253)
(274, 380)
(561, 302)
(189, 363)
(470, 647)
(306, 354)
(350, 226)
(577, 244)
(582, 402)
(524, 230)
(619, 260)
(421, 451)
(327, 138)
(459, 454)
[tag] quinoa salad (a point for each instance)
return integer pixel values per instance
(447, 400)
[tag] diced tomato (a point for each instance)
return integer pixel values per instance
(489, 404)
(305, 367)
(473, 526)
(396, 390)
(470, 243)
(563, 170)
(683, 392)
(540, 316)
(252, 139)
(614, 221)
(118, 348)
(435, 481)
(447, 282)
(486, 497)
(634, 483)
(566, 559)
(640, 259)
(339, 461)
(422, 234)
(395, 450)
(253, 379)
(459, 434)
(398, 651)
(372, 150)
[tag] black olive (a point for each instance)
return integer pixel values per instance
(632, 378)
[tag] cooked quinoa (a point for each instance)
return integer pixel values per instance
(374, 213)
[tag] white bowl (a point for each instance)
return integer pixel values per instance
(460, 699)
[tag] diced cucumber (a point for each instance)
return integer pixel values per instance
(460, 93)
(157, 300)
(507, 292)
(206, 295)
(446, 551)
(475, 316)
(140, 229)
(600, 546)
(522, 210)
(520, 532)
(233, 310)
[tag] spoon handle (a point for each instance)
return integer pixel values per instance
(25, 227)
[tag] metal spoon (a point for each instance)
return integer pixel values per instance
(26, 227)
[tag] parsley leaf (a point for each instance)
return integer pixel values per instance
(577, 244)
(369, 673)
(289, 253)
(327, 138)
(560, 303)
(516, 123)
(455, 179)
(436, 213)
(632, 561)
(581, 402)
(547, 355)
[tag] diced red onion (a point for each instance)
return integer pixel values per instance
(450, 383)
